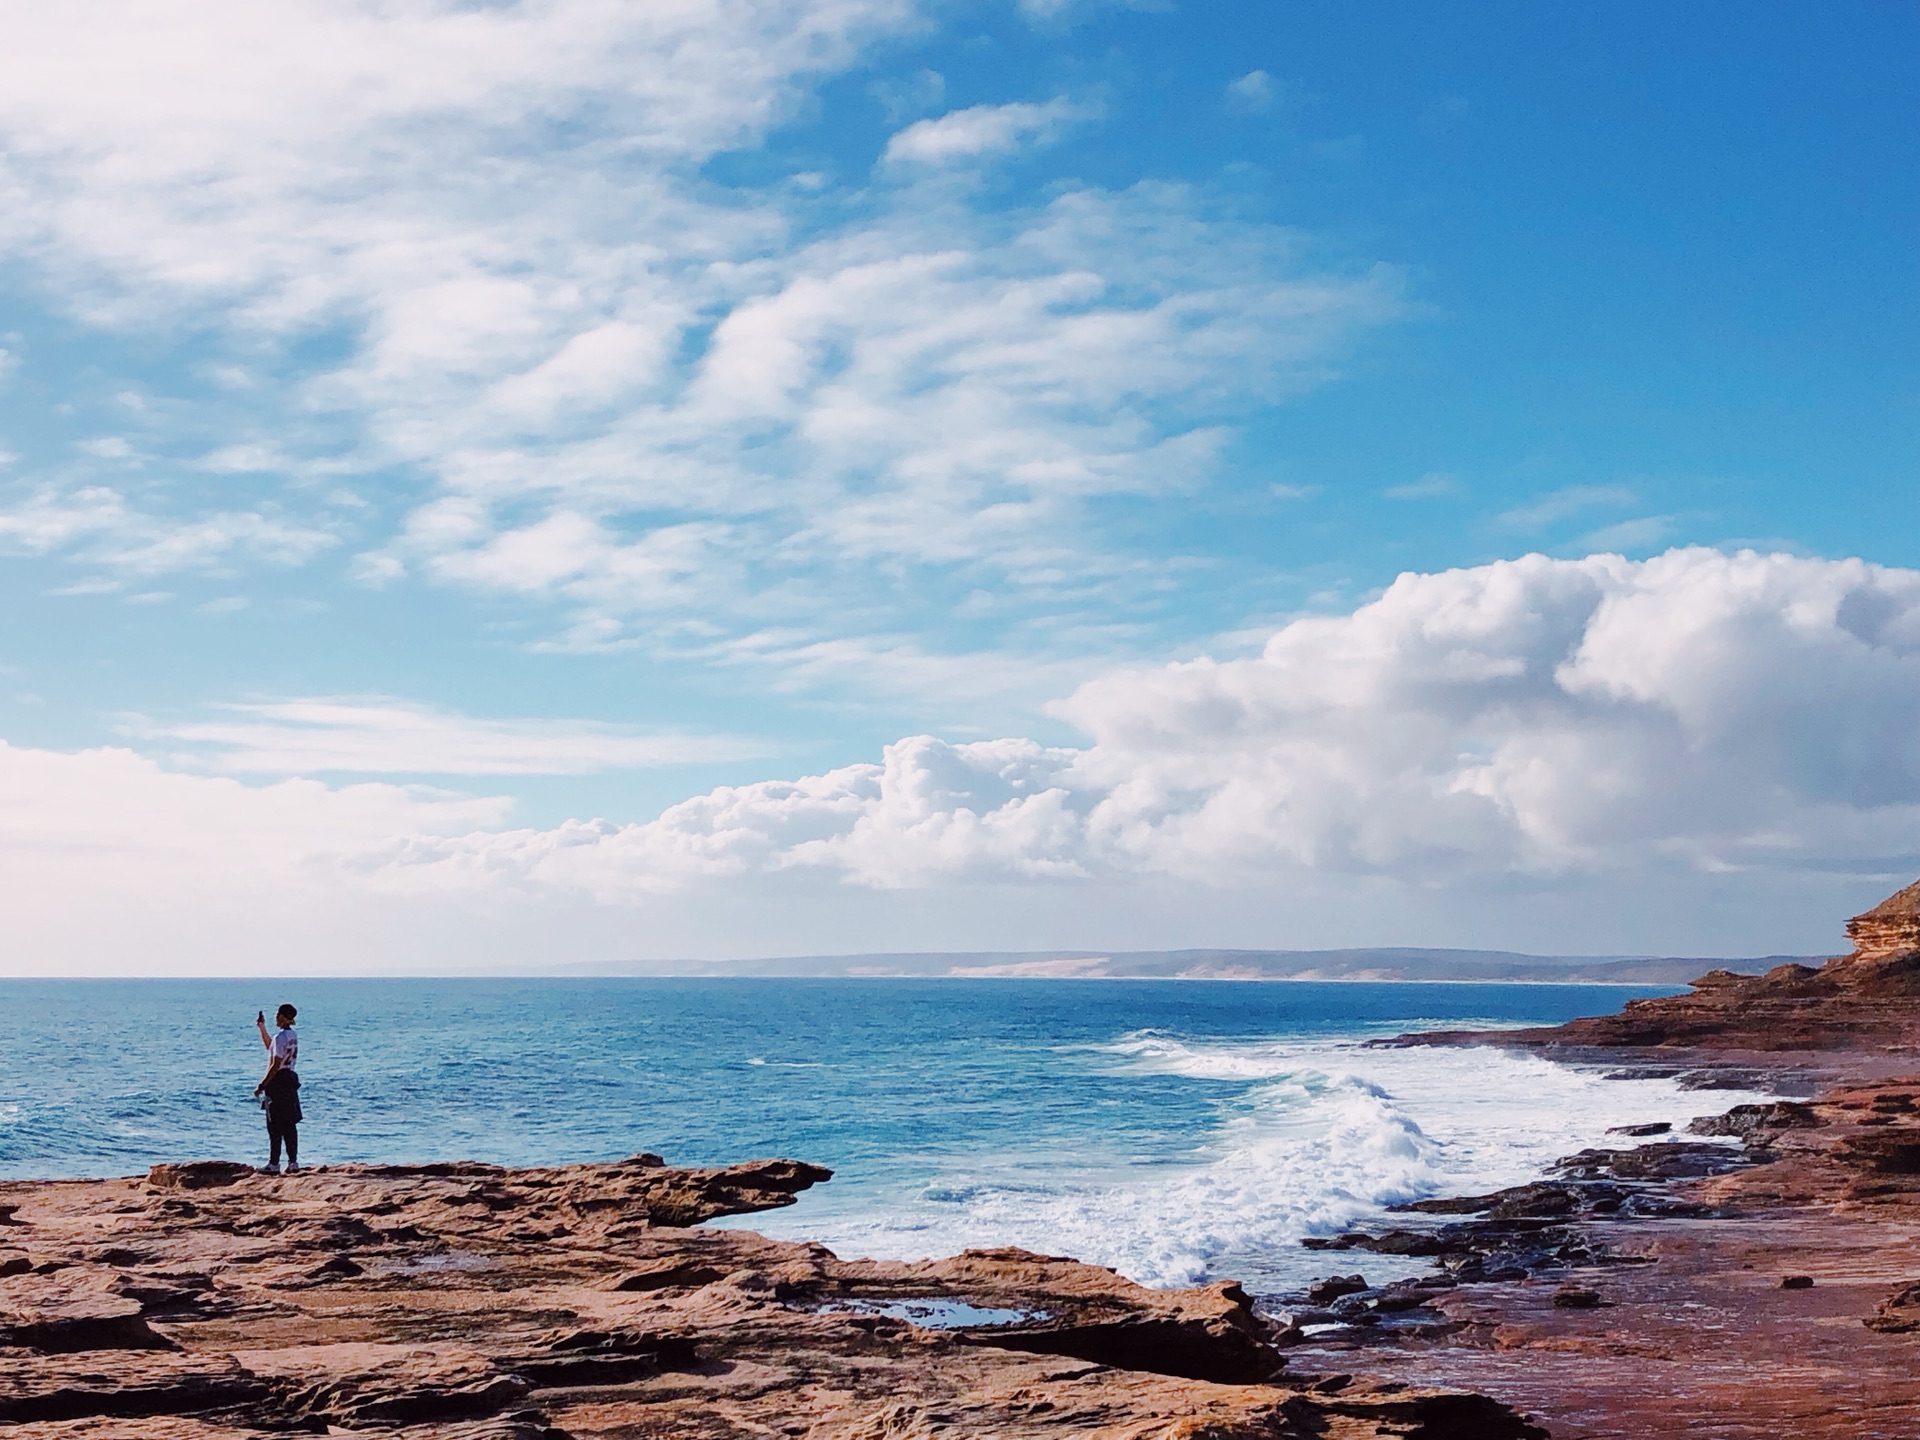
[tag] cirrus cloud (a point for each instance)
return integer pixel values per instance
(479, 307)
(980, 130)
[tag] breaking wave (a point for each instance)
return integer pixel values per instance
(1310, 1139)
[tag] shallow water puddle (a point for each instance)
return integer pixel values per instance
(944, 1314)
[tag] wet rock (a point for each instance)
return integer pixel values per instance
(1674, 1160)
(1334, 1286)
(1542, 1199)
(1396, 1299)
(1748, 1121)
(1656, 1127)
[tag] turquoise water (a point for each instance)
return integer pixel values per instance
(1173, 1129)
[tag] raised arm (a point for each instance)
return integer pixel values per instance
(260, 1019)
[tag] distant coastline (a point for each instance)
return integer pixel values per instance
(1379, 966)
(1367, 966)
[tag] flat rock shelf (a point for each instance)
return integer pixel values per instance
(472, 1302)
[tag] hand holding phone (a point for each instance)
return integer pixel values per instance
(260, 1018)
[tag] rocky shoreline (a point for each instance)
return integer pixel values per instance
(1756, 1276)
(207, 1302)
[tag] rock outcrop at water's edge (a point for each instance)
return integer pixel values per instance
(1761, 1282)
(1865, 1001)
(471, 1302)
(1756, 1277)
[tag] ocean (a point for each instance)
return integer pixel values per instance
(1175, 1130)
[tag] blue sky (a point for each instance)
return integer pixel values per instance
(572, 410)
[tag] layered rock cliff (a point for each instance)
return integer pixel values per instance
(1866, 1000)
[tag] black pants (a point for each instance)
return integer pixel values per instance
(283, 1131)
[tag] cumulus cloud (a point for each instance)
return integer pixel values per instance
(1530, 718)
(929, 812)
(294, 737)
(1532, 728)
(1253, 92)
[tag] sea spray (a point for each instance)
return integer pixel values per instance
(1307, 1140)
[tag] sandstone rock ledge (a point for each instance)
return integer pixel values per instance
(471, 1302)
(1853, 1008)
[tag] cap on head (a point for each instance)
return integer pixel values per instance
(286, 1014)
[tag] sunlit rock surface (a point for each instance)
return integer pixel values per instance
(204, 1302)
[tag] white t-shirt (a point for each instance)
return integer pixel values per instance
(286, 1049)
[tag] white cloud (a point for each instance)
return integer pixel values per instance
(96, 523)
(1530, 718)
(223, 147)
(305, 736)
(981, 130)
(1566, 502)
(641, 393)
(107, 822)
(1688, 746)
(48, 520)
(1643, 533)
(1253, 92)
(1434, 485)
(942, 390)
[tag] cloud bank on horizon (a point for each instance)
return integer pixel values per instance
(1497, 727)
(452, 455)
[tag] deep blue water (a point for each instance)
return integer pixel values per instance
(955, 1111)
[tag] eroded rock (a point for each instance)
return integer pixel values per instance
(472, 1301)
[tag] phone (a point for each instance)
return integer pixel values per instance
(261, 1018)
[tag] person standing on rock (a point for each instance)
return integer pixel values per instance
(279, 1089)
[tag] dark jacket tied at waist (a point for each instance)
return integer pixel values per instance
(282, 1098)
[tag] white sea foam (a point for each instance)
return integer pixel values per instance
(1312, 1138)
